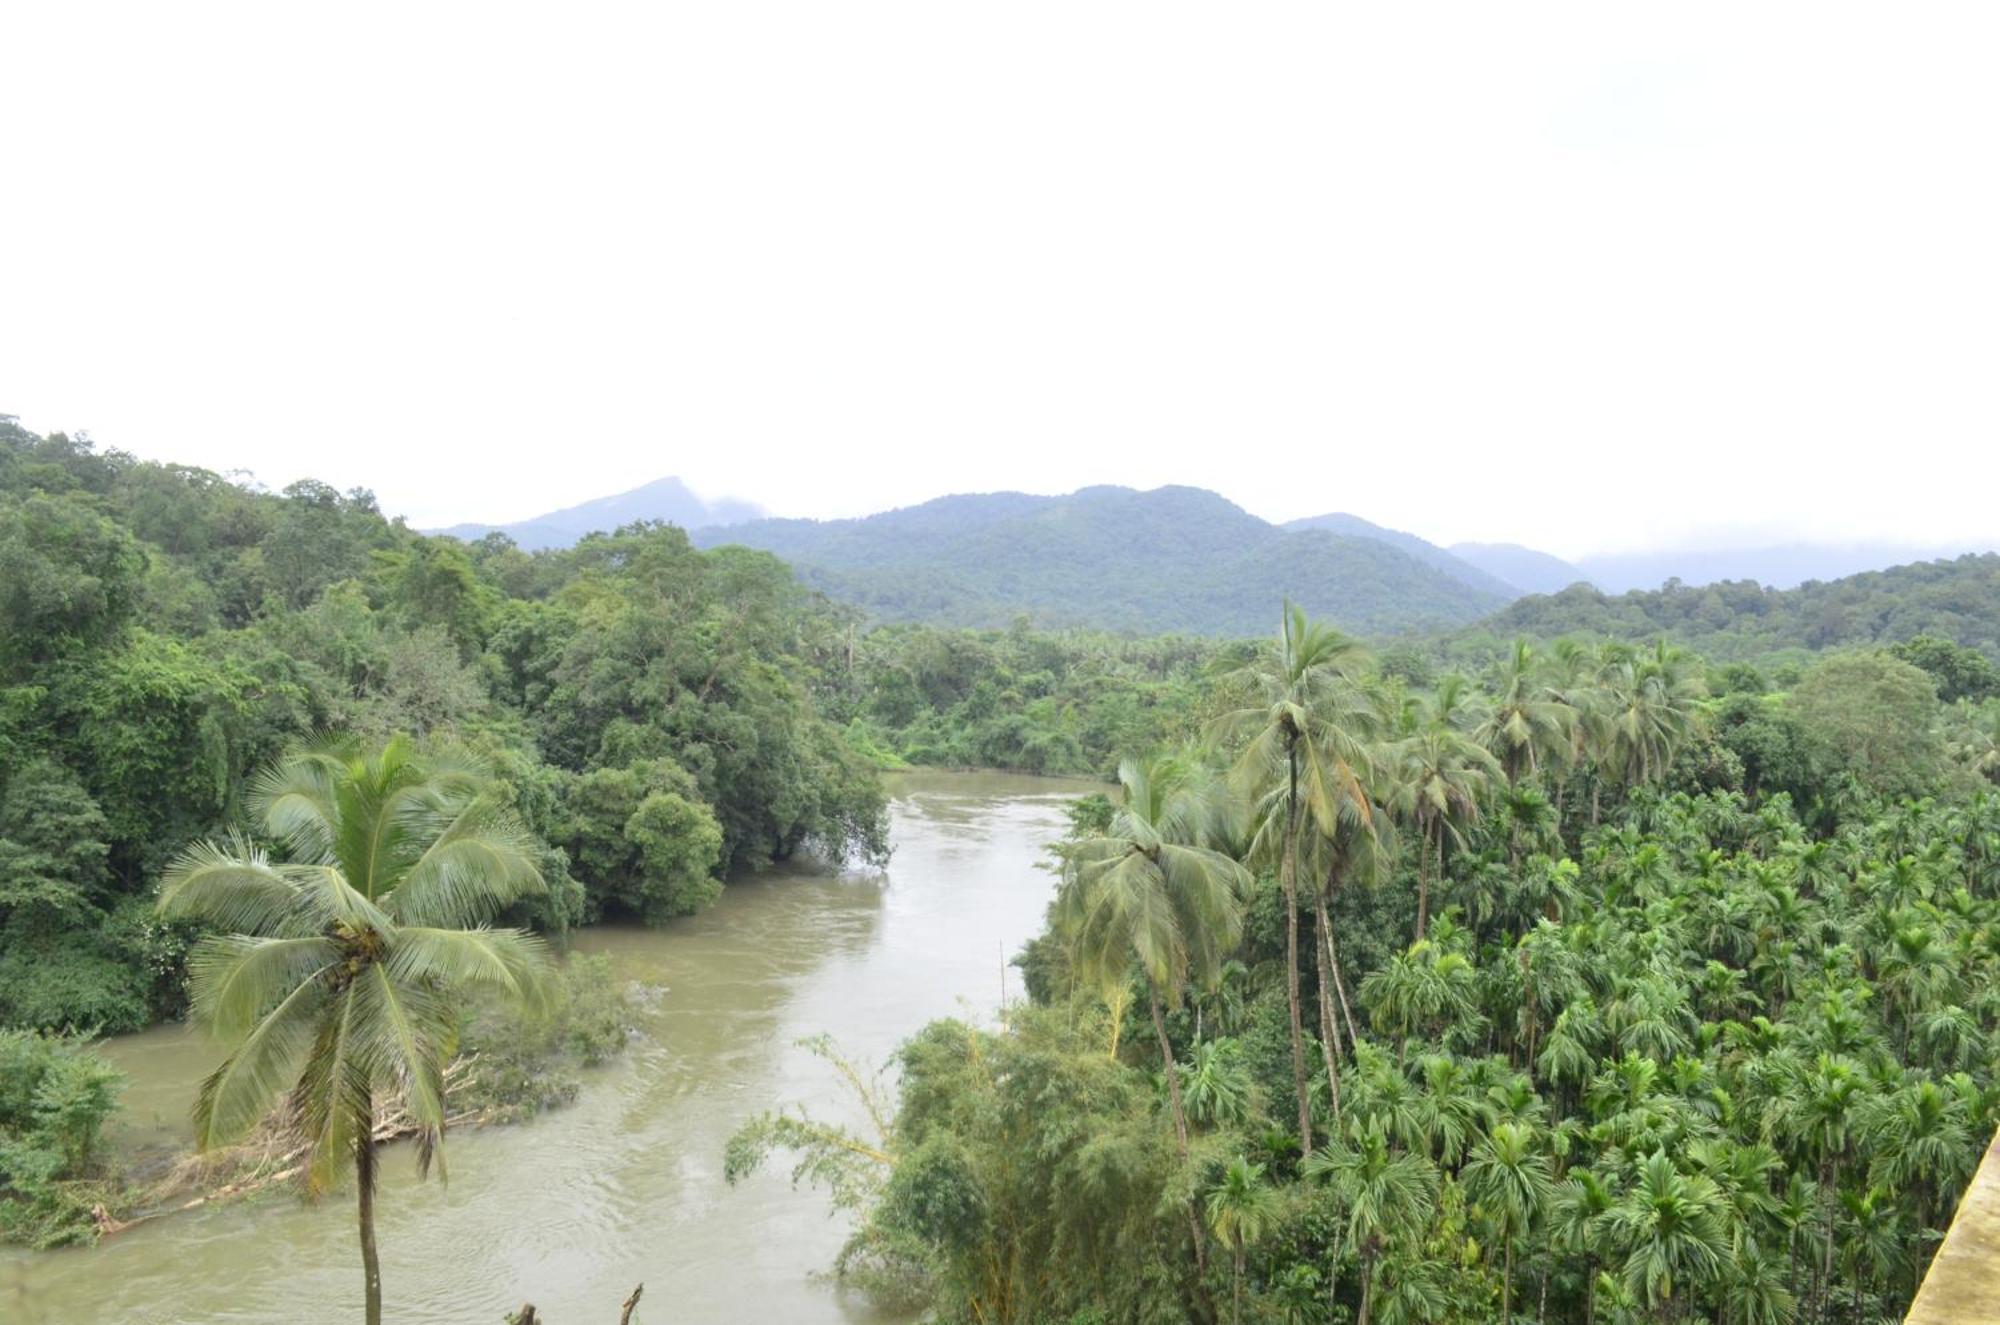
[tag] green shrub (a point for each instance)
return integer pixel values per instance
(55, 1096)
(526, 1060)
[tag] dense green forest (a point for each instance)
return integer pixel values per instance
(1171, 560)
(1567, 992)
(653, 711)
(1956, 600)
(1543, 970)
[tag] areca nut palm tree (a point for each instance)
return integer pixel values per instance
(1389, 1196)
(1242, 1208)
(1443, 778)
(1510, 1177)
(335, 976)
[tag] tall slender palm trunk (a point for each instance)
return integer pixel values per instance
(1429, 852)
(1172, 1070)
(1423, 892)
(1329, 1028)
(1288, 878)
(364, 1180)
(1237, 1306)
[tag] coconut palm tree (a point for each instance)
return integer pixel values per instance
(335, 975)
(1305, 722)
(1242, 1208)
(1578, 1226)
(1818, 1110)
(1149, 892)
(1360, 846)
(1650, 709)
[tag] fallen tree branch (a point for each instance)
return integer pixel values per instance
(527, 1315)
(274, 1155)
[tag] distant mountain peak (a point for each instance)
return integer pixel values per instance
(666, 499)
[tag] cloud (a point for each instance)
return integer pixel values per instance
(1577, 276)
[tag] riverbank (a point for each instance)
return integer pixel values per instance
(625, 1185)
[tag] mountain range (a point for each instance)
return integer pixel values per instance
(1173, 558)
(666, 499)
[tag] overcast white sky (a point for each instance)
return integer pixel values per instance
(1591, 277)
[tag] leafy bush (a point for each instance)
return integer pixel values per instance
(525, 1061)
(55, 1096)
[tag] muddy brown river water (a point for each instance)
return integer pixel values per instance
(571, 1210)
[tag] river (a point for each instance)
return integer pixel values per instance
(573, 1209)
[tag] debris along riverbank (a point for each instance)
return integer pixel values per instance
(512, 1066)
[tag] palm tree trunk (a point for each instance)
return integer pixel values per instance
(1333, 1275)
(1329, 1029)
(1340, 990)
(364, 1180)
(1423, 891)
(1238, 1307)
(1288, 878)
(1507, 1286)
(1367, 1287)
(1171, 1068)
(1180, 1120)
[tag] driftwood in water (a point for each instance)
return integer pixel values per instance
(527, 1315)
(272, 1155)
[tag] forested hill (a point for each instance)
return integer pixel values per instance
(655, 716)
(1423, 550)
(1957, 600)
(1173, 559)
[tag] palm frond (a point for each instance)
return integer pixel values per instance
(334, 1098)
(510, 961)
(239, 1093)
(235, 979)
(331, 895)
(405, 1029)
(297, 798)
(232, 886)
(478, 862)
